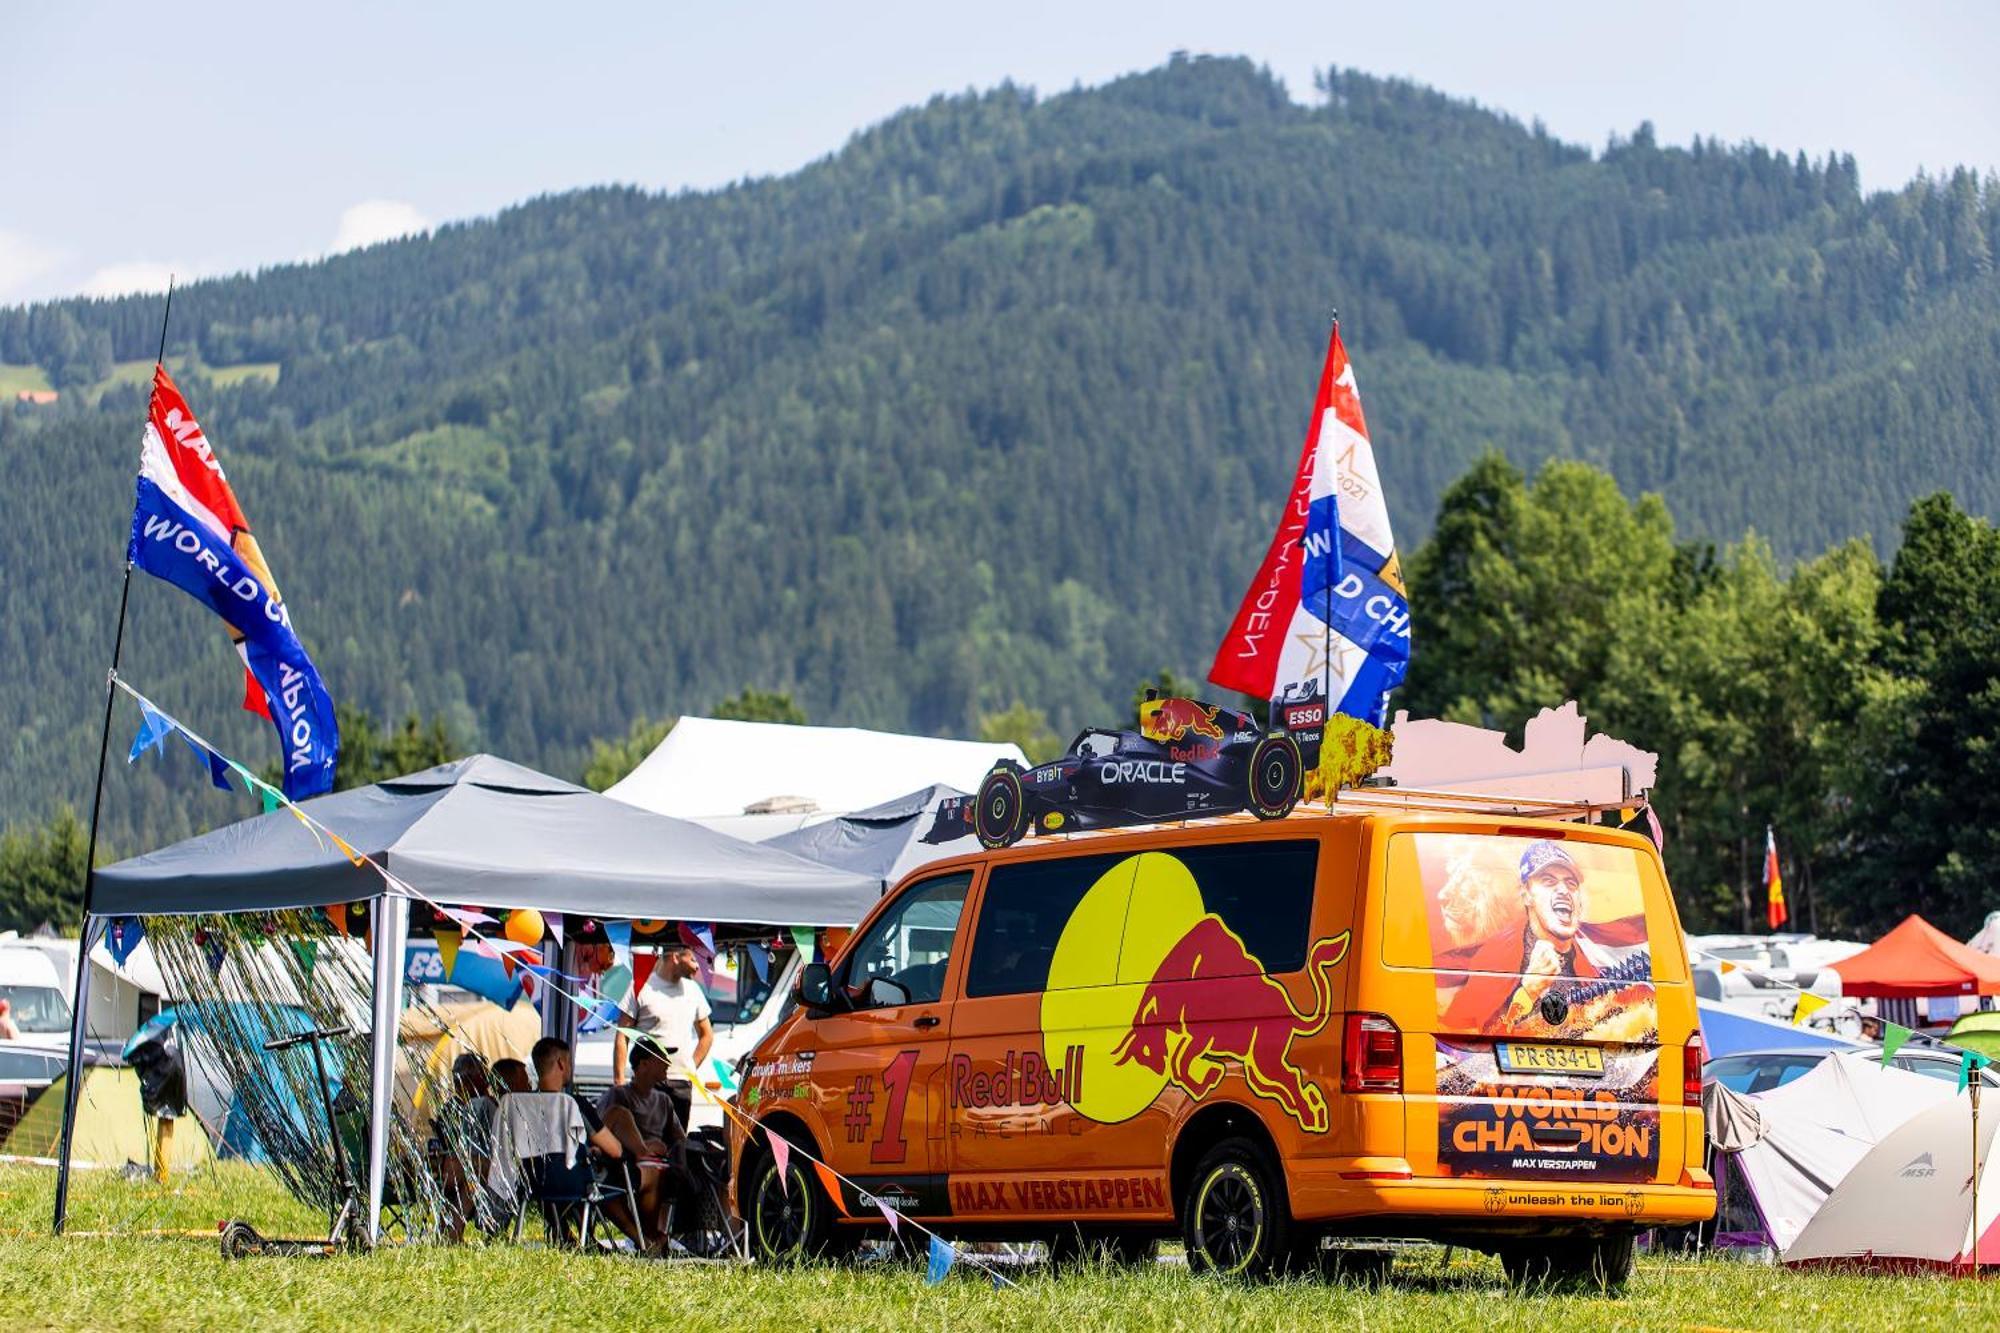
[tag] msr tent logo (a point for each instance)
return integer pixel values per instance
(1919, 1167)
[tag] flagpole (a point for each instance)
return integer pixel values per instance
(1326, 614)
(80, 1005)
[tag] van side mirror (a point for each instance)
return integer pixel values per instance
(816, 989)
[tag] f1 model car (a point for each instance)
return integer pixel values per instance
(1187, 760)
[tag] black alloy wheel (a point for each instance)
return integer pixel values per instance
(1000, 814)
(1277, 774)
(789, 1219)
(1235, 1219)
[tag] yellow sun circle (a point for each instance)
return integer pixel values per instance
(1150, 902)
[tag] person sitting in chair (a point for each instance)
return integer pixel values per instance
(512, 1076)
(645, 1118)
(553, 1132)
(462, 1141)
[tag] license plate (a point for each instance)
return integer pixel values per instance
(1516, 1058)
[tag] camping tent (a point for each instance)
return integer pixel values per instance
(1725, 1031)
(712, 771)
(1796, 1143)
(110, 1126)
(885, 841)
(1906, 1203)
(1977, 1032)
(1916, 960)
(477, 830)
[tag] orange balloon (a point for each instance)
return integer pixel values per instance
(524, 926)
(649, 927)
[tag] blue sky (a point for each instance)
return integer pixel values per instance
(215, 137)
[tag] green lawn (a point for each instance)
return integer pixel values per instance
(15, 379)
(89, 1280)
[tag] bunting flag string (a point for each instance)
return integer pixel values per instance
(1806, 1006)
(447, 938)
(1893, 1037)
(125, 934)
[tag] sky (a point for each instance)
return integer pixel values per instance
(205, 138)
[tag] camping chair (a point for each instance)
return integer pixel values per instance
(557, 1178)
(351, 1119)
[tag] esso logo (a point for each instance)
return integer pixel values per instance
(1304, 715)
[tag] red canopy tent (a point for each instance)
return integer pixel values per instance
(1917, 960)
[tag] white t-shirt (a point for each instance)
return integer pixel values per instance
(669, 1010)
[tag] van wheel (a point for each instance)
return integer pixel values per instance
(1277, 773)
(790, 1221)
(1000, 812)
(1075, 1247)
(1234, 1217)
(1597, 1263)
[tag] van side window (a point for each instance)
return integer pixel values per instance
(909, 946)
(1263, 891)
(1021, 918)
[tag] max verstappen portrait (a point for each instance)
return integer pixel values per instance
(1188, 759)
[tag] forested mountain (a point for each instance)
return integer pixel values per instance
(996, 403)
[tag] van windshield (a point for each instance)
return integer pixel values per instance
(37, 1008)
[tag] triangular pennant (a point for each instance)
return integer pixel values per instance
(554, 921)
(307, 952)
(1659, 834)
(213, 950)
(891, 1216)
(267, 796)
(802, 940)
(760, 962)
(154, 728)
(1808, 1005)
(617, 985)
(943, 1257)
(642, 967)
(483, 947)
(704, 970)
(346, 850)
(1893, 1037)
(1727, 966)
(507, 962)
(123, 937)
(700, 937)
(306, 824)
(337, 914)
(447, 943)
(619, 933)
(781, 1157)
(831, 1184)
(1969, 1065)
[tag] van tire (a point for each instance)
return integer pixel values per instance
(1593, 1263)
(792, 1223)
(1077, 1247)
(1234, 1217)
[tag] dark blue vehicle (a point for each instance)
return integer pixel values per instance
(1187, 760)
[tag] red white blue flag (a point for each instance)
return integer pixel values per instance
(1327, 611)
(188, 529)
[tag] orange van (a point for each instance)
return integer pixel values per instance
(1378, 1023)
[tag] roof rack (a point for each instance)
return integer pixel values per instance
(1463, 802)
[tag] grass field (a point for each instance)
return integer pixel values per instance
(91, 1279)
(18, 379)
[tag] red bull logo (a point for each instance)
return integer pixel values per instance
(1186, 1030)
(1183, 1001)
(1170, 720)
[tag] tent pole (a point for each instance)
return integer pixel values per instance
(1974, 1089)
(392, 924)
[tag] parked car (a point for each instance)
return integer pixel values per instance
(30, 983)
(1761, 1071)
(26, 1071)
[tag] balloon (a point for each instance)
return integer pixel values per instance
(524, 926)
(649, 927)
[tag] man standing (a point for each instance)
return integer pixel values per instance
(671, 1009)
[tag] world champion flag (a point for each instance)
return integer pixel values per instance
(1328, 605)
(188, 529)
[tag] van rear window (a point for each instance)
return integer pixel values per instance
(1499, 914)
(1262, 891)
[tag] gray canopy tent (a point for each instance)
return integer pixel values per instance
(885, 841)
(477, 830)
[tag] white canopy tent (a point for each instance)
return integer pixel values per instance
(713, 772)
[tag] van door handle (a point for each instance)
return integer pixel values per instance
(927, 1021)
